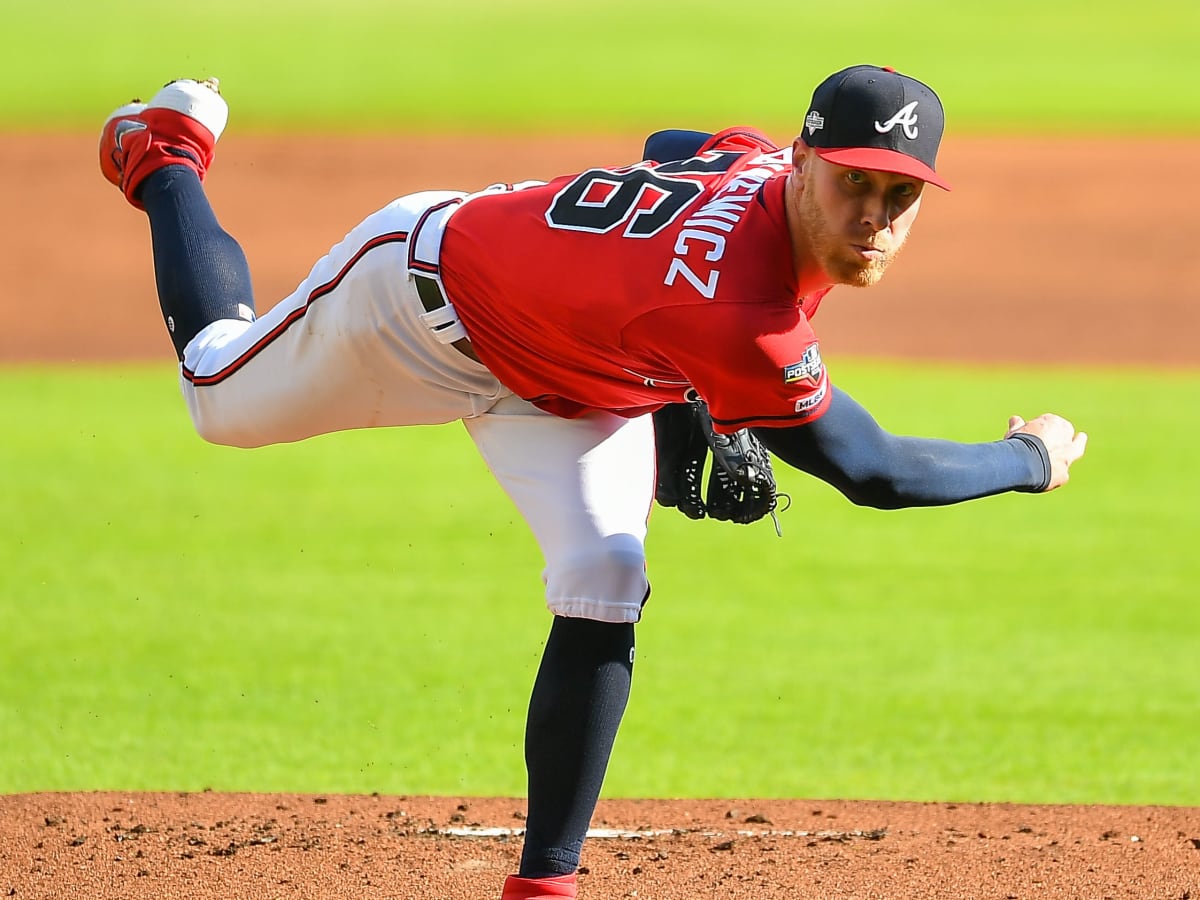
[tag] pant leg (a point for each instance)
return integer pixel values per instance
(585, 487)
(345, 350)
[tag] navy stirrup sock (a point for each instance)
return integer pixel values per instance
(200, 270)
(578, 699)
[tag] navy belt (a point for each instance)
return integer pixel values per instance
(434, 299)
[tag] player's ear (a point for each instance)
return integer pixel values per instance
(801, 154)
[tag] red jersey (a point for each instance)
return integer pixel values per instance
(627, 288)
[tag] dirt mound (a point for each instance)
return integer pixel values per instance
(255, 847)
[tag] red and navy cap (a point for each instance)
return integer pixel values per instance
(867, 117)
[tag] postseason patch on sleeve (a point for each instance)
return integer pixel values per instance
(809, 368)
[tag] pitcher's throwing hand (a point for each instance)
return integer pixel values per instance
(1064, 445)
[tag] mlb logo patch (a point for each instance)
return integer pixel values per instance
(808, 368)
(812, 401)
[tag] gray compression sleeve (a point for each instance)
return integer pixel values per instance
(846, 448)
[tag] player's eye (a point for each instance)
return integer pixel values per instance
(854, 176)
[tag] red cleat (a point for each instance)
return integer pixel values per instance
(556, 888)
(179, 126)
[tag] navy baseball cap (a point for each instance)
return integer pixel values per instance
(867, 117)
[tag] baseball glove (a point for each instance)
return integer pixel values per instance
(741, 484)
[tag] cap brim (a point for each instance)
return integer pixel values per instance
(877, 160)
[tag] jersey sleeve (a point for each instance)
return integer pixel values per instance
(762, 370)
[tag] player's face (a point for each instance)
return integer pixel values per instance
(854, 221)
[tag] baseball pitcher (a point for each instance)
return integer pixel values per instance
(572, 325)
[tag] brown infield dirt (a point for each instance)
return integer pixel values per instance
(1055, 251)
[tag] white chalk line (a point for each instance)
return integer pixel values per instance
(620, 834)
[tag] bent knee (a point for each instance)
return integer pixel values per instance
(219, 412)
(215, 430)
(219, 419)
(605, 582)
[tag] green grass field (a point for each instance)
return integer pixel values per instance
(344, 616)
(331, 616)
(1100, 66)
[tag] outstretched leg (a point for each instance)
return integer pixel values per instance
(349, 348)
(158, 153)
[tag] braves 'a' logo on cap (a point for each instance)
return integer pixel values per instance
(906, 118)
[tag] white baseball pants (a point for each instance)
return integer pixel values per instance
(349, 349)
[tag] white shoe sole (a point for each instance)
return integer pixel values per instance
(195, 99)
